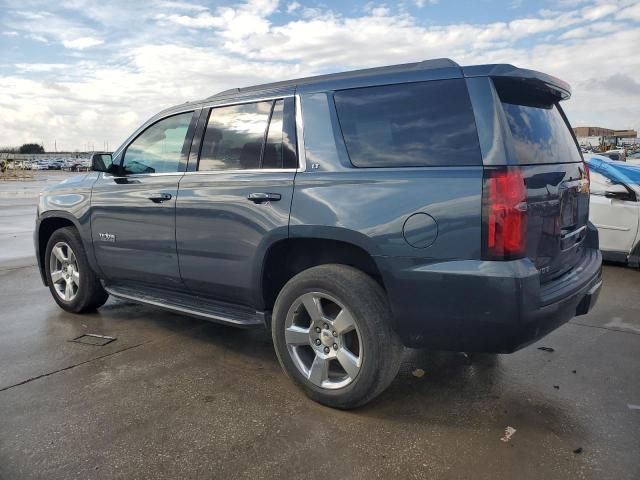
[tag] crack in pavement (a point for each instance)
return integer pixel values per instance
(619, 330)
(9, 269)
(29, 380)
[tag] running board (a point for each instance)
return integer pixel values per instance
(194, 306)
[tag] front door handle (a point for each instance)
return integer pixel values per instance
(264, 197)
(159, 197)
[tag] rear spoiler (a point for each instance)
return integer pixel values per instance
(550, 85)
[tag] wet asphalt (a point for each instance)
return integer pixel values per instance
(175, 397)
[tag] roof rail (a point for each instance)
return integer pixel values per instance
(422, 65)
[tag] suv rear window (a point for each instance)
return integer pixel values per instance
(409, 125)
(540, 135)
(539, 131)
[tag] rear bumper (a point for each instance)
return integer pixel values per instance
(483, 306)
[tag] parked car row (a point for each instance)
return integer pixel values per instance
(71, 164)
(629, 153)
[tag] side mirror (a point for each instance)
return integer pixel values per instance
(619, 192)
(101, 162)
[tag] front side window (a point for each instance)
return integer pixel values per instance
(159, 148)
(234, 137)
(599, 184)
(410, 124)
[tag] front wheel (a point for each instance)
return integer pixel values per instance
(332, 333)
(74, 286)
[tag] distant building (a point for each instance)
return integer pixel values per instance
(604, 136)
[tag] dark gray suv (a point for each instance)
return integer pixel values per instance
(424, 205)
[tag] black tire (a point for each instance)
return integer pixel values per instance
(367, 304)
(89, 293)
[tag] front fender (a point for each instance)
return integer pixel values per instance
(54, 219)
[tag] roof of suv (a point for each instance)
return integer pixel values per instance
(439, 68)
(436, 63)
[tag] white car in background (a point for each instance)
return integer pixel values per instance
(619, 154)
(634, 158)
(39, 165)
(614, 208)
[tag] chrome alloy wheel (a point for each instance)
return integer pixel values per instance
(63, 268)
(323, 340)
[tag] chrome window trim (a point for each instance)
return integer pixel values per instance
(302, 153)
(244, 101)
(247, 170)
(142, 175)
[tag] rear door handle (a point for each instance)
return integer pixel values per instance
(264, 197)
(159, 197)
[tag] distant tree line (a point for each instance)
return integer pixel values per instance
(25, 148)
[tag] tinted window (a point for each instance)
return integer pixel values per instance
(273, 148)
(158, 149)
(234, 137)
(416, 124)
(540, 134)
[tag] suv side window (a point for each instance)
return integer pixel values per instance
(234, 137)
(250, 136)
(409, 125)
(159, 148)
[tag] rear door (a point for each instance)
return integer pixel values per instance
(133, 213)
(541, 146)
(238, 201)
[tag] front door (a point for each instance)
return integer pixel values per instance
(237, 203)
(133, 212)
(616, 220)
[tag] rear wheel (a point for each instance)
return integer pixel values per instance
(74, 286)
(332, 334)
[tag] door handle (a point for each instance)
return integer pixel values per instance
(264, 197)
(159, 197)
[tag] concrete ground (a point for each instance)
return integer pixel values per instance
(175, 397)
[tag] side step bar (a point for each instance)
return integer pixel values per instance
(229, 314)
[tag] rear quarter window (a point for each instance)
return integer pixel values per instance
(409, 125)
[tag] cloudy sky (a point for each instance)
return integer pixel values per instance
(84, 72)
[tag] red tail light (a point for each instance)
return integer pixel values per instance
(504, 214)
(588, 175)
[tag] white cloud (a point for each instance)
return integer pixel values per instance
(202, 20)
(182, 6)
(181, 51)
(593, 30)
(82, 43)
(422, 3)
(630, 13)
(233, 23)
(293, 6)
(40, 67)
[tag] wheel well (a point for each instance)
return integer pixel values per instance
(47, 227)
(289, 257)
